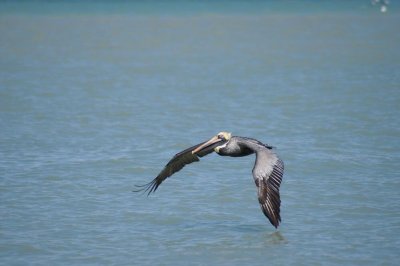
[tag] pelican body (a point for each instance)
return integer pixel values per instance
(267, 170)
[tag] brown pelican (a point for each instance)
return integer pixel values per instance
(267, 171)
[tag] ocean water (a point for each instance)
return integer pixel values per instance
(96, 97)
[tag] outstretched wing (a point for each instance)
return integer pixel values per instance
(176, 164)
(267, 173)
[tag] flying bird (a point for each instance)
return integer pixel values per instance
(267, 170)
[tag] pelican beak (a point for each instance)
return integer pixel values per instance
(206, 144)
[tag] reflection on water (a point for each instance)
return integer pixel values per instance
(276, 238)
(383, 4)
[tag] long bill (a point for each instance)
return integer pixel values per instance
(213, 140)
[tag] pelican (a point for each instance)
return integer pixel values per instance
(267, 170)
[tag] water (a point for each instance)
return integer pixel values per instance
(97, 97)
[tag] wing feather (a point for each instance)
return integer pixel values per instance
(176, 164)
(268, 183)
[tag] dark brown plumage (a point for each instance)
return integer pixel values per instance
(176, 164)
(267, 172)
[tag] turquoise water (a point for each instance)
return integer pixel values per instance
(96, 97)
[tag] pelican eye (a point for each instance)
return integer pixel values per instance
(220, 136)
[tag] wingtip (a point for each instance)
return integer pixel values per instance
(148, 187)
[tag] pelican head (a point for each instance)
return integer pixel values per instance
(222, 137)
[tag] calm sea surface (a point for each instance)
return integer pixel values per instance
(97, 97)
